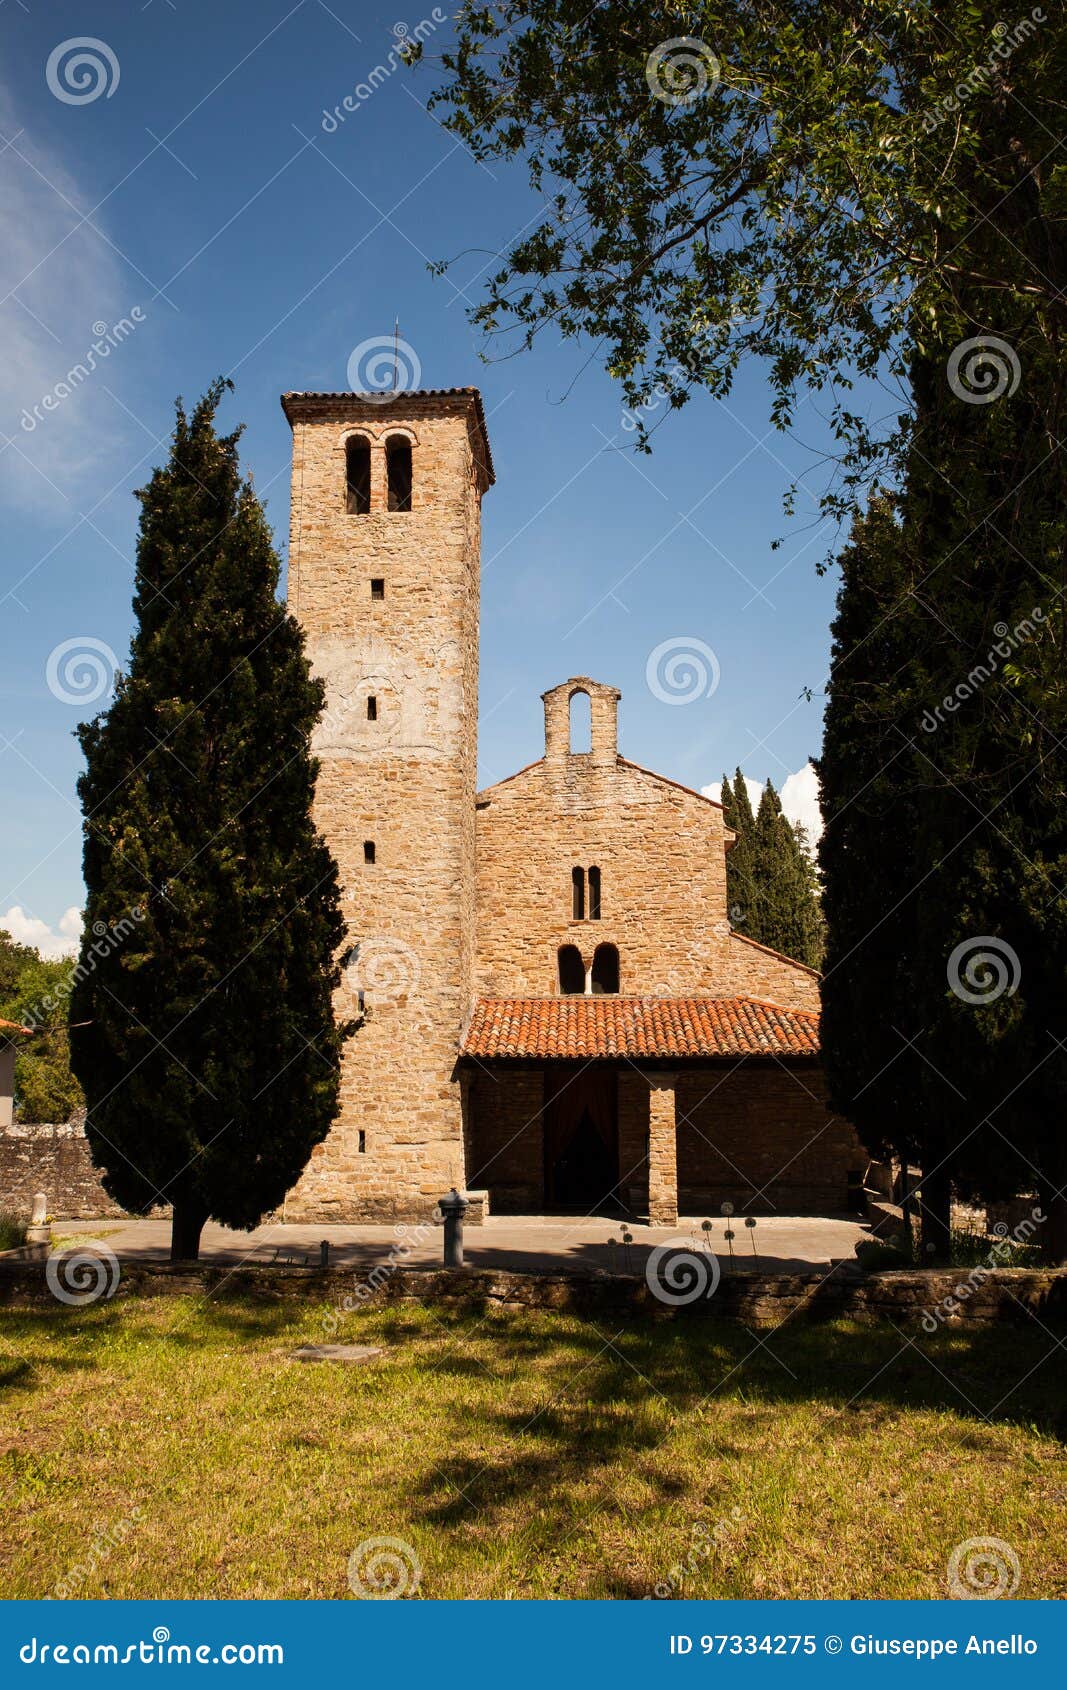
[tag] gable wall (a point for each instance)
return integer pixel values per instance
(660, 851)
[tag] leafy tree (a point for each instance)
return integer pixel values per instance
(210, 1055)
(797, 181)
(34, 992)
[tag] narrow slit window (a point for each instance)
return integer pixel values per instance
(368, 850)
(578, 894)
(372, 708)
(357, 477)
(377, 587)
(398, 473)
(362, 1142)
(594, 894)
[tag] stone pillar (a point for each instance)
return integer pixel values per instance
(379, 482)
(604, 712)
(662, 1151)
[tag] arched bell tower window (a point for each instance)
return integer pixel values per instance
(357, 475)
(571, 971)
(605, 969)
(398, 472)
(581, 721)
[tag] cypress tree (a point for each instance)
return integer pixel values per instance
(742, 892)
(211, 1053)
(867, 851)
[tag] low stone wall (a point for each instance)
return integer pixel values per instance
(54, 1159)
(1009, 1295)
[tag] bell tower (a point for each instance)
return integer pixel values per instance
(384, 578)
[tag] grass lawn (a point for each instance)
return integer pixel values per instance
(168, 1447)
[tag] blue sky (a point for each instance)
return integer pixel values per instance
(200, 200)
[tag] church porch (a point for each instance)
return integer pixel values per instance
(626, 1124)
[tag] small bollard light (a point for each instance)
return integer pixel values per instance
(324, 1253)
(453, 1208)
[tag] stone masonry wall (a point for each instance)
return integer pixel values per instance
(759, 1136)
(404, 781)
(55, 1160)
(661, 851)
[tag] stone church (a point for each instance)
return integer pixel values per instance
(556, 1014)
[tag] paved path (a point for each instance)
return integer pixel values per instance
(534, 1244)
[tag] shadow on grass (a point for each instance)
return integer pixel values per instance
(609, 1397)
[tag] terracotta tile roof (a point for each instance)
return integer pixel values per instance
(589, 1027)
(321, 399)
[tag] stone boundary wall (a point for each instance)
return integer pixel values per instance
(1013, 1296)
(54, 1159)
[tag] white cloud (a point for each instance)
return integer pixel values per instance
(799, 793)
(800, 800)
(29, 930)
(58, 278)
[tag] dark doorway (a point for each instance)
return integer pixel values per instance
(582, 1141)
